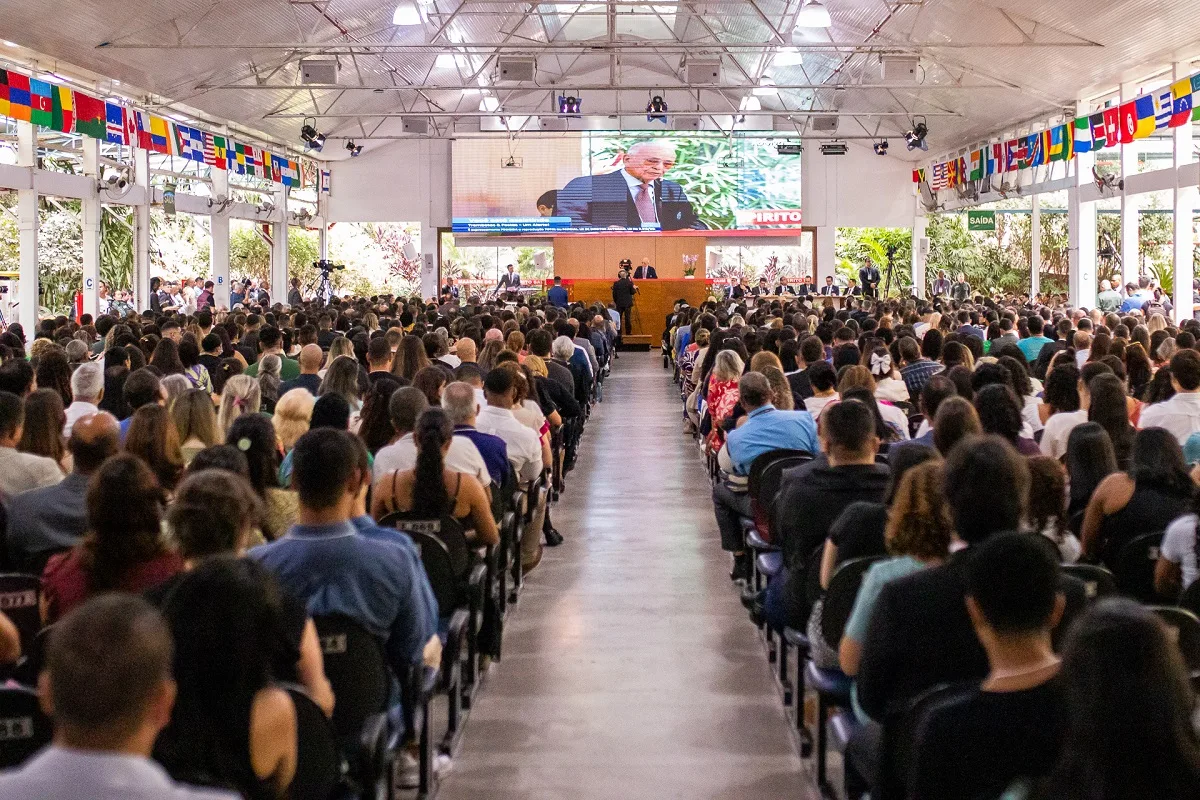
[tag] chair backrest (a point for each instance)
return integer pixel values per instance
(901, 732)
(444, 553)
(764, 486)
(1134, 568)
(839, 597)
(318, 755)
(24, 727)
(1097, 581)
(1184, 627)
(357, 671)
(1190, 599)
(20, 599)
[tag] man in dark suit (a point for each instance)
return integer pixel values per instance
(636, 196)
(644, 270)
(920, 633)
(510, 281)
(622, 293)
(784, 287)
(853, 290)
(762, 290)
(868, 277)
(829, 288)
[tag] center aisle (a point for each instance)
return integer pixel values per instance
(629, 668)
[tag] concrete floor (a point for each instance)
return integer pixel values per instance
(630, 669)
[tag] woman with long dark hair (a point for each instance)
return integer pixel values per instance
(166, 358)
(153, 438)
(123, 550)
(1090, 459)
(376, 428)
(54, 372)
(42, 434)
(430, 491)
(410, 358)
(254, 435)
(1129, 708)
(1154, 492)
(230, 726)
(1109, 409)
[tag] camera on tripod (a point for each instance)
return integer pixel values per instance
(327, 266)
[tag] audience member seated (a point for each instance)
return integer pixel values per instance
(404, 408)
(152, 437)
(1000, 414)
(142, 388)
(432, 488)
(326, 565)
(462, 407)
(311, 358)
(254, 436)
(956, 420)
(1156, 491)
(42, 434)
(231, 727)
(812, 496)
(124, 548)
(20, 472)
(42, 522)
(979, 741)
(87, 390)
(1181, 414)
(1047, 512)
(109, 689)
(1090, 459)
(1128, 729)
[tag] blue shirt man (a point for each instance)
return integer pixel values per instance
(1135, 301)
(557, 296)
(767, 428)
(1032, 346)
(492, 448)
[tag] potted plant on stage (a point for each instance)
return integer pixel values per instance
(689, 266)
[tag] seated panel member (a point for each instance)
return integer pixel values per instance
(784, 287)
(762, 290)
(645, 271)
(829, 288)
(853, 289)
(635, 196)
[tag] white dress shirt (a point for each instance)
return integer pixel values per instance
(74, 412)
(1180, 415)
(1058, 430)
(463, 456)
(524, 446)
(20, 472)
(60, 772)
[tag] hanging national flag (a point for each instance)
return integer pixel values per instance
(141, 121)
(116, 124)
(918, 175)
(189, 143)
(215, 151)
(4, 108)
(1034, 153)
(1099, 130)
(995, 158)
(62, 109)
(89, 116)
(325, 180)
(1061, 142)
(939, 177)
(308, 174)
(1014, 154)
(1163, 104)
(268, 166)
(975, 173)
(291, 175)
(159, 135)
(1081, 132)
(1181, 103)
(41, 103)
(1112, 126)
(19, 98)
(1145, 109)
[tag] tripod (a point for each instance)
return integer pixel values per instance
(324, 287)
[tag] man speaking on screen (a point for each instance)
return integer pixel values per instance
(635, 196)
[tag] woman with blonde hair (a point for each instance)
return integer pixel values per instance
(293, 413)
(767, 363)
(240, 396)
(341, 346)
(515, 341)
(487, 356)
(723, 393)
(918, 535)
(1157, 322)
(195, 422)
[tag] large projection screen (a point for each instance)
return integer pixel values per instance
(592, 181)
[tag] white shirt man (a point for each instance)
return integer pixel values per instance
(1181, 414)
(401, 455)
(87, 387)
(496, 418)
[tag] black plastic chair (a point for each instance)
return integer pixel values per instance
(358, 672)
(1134, 567)
(24, 728)
(319, 761)
(1184, 627)
(762, 483)
(901, 736)
(33, 659)
(20, 600)
(1097, 581)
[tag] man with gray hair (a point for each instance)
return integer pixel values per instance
(87, 389)
(406, 405)
(461, 404)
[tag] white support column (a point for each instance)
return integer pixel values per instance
(141, 231)
(218, 226)
(1131, 267)
(1081, 233)
(825, 235)
(90, 211)
(1035, 248)
(1185, 206)
(323, 241)
(920, 248)
(279, 251)
(429, 266)
(28, 295)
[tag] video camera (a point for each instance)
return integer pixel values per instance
(325, 265)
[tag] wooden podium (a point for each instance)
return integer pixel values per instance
(655, 299)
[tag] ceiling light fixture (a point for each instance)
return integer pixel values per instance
(445, 61)
(915, 138)
(406, 14)
(312, 138)
(750, 103)
(813, 14)
(354, 149)
(880, 147)
(788, 57)
(766, 87)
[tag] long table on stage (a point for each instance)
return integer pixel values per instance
(654, 300)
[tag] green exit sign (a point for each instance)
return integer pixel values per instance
(981, 220)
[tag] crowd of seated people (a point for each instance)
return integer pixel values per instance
(1008, 489)
(195, 495)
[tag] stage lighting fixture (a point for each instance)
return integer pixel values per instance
(656, 109)
(881, 147)
(406, 14)
(354, 149)
(312, 138)
(788, 57)
(569, 105)
(915, 138)
(813, 14)
(766, 87)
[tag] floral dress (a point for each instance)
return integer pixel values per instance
(722, 397)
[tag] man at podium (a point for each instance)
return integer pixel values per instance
(645, 271)
(510, 281)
